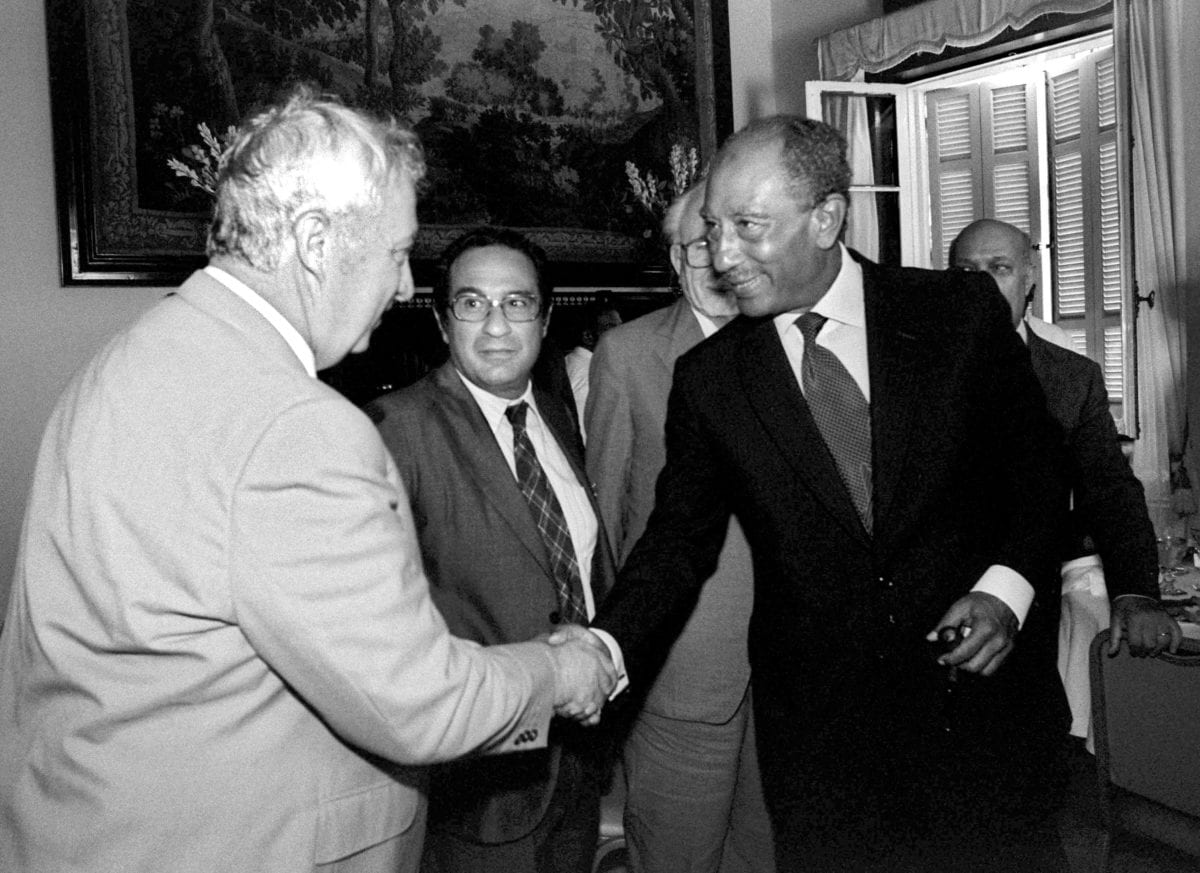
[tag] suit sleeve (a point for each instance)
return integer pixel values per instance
(609, 424)
(658, 587)
(1110, 498)
(327, 585)
(1031, 490)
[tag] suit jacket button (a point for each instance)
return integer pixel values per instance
(555, 617)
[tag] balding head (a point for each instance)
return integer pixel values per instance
(1002, 251)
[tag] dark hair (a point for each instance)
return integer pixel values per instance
(814, 154)
(482, 237)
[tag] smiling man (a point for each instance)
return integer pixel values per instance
(880, 436)
(508, 530)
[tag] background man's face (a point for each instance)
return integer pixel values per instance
(1001, 252)
(495, 354)
(700, 284)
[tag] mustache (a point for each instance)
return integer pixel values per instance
(728, 280)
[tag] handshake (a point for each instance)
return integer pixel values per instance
(584, 673)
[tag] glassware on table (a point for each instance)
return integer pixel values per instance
(1171, 550)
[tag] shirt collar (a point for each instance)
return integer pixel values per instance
(290, 335)
(707, 326)
(843, 302)
(1023, 331)
(493, 407)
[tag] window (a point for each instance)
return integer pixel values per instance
(1031, 140)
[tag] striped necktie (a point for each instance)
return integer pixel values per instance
(551, 523)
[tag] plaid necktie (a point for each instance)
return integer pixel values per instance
(841, 413)
(548, 515)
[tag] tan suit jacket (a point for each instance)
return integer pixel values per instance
(705, 675)
(220, 631)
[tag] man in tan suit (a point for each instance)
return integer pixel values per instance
(221, 647)
(694, 796)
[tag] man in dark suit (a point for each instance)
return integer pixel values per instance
(509, 535)
(902, 488)
(1109, 544)
(694, 798)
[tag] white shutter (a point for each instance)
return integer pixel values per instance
(956, 192)
(1089, 272)
(982, 160)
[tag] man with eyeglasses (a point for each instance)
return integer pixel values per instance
(881, 437)
(509, 534)
(694, 798)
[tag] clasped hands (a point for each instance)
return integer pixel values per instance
(584, 673)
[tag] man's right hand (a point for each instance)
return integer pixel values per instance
(584, 674)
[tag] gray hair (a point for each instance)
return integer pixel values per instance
(683, 204)
(814, 154)
(309, 152)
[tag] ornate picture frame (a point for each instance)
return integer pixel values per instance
(124, 220)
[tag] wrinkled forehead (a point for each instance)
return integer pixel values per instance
(748, 174)
(494, 271)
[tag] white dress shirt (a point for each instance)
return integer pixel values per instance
(290, 335)
(572, 497)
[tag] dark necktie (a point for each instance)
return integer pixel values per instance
(841, 413)
(551, 523)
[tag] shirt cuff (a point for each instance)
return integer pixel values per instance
(1010, 586)
(618, 660)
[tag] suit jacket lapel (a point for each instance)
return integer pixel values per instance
(772, 392)
(681, 331)
(478, 451)
(897, 365)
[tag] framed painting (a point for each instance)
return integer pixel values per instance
(529, 111)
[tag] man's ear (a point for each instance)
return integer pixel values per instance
(676, 256)
(438, 317)
(314, 240)
(546, 320)
(830, 215)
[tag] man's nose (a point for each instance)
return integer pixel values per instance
(724, 250)
(494, 322)
(405, 289)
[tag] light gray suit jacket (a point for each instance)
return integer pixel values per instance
(705, 675)
(220, 631)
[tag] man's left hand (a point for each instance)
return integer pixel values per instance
(989, 630)
(1145, 625)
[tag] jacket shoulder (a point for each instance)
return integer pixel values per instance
(633, 335)
(404, 401)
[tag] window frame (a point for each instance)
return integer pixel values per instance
(916, 210)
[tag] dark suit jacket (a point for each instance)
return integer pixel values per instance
(488, 571)
(1110, 504)
(852, 710)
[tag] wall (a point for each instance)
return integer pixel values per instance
(46, 331)
(795, 27)
(770, 78)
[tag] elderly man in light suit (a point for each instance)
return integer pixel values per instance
(694, 800)
(221, 647)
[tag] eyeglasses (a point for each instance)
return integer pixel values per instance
(697, 254)
(476, 307)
